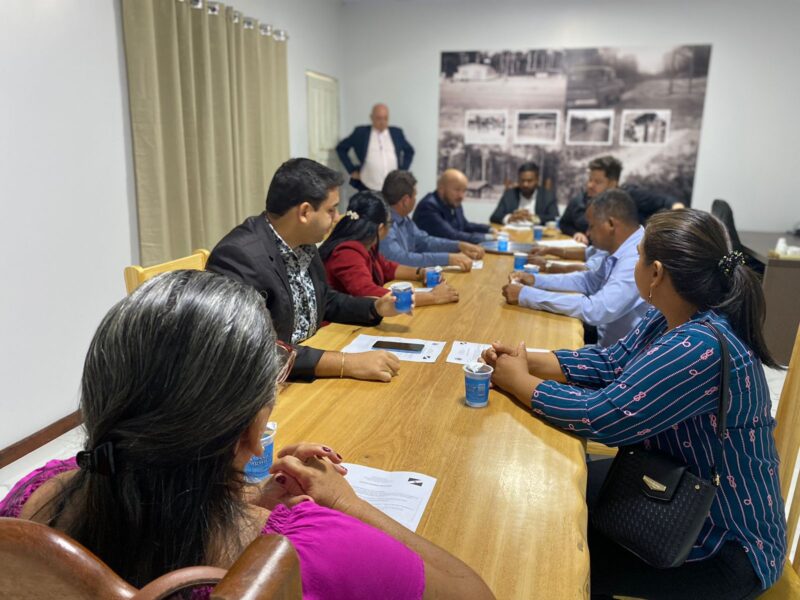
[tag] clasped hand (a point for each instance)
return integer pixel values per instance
(307, 471)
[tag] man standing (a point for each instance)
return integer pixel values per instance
(440, 213)
(409, 245)
(604, 174)
(527, 199)
(276, 253)
(607, 296)
(380, 149)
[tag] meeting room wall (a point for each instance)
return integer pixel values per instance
(748, 148)
(68, 224)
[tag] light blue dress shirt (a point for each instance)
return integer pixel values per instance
(408, 245)
(607, 298)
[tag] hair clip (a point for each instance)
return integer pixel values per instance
(730, 261)
(100, 460)
(353, 215)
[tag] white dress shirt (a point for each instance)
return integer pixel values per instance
(531, 207)
(380, 161)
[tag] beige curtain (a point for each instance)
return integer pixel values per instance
(209, 114)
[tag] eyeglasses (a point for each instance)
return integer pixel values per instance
(287, 354)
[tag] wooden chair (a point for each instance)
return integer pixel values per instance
(787, 440)
(40, 562)
(136, 275)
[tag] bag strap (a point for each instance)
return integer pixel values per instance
(724, 394)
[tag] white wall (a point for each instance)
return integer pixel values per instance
(65, 186)
(68, 224)
(748, 151)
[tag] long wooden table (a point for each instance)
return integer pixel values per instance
(509, 498)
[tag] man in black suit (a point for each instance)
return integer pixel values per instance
(275, 252)
(520, 203)
(380, 149)
(604, 174)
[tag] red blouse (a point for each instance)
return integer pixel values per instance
(353, 269)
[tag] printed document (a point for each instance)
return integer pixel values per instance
(429, 353)
(402, 495)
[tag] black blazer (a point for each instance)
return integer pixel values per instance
(359, 142)
(250, 254)
(647, 203)
(546, 206)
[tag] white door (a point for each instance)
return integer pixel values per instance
(323, 119)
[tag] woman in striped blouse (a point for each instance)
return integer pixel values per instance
(658, 386)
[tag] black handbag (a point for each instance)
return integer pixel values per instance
(651, 504)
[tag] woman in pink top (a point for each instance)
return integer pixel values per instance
(178, 386)
(353, 261)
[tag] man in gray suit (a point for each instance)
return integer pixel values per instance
(520, 203)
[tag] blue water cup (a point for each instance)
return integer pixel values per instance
(520, 259)
(433, 277)
(502, 243)
(476, 379)
(257, 468)
(403, 292)
(538, 232)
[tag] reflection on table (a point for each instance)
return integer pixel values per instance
(509, 498)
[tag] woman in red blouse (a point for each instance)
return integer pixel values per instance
(352, 257)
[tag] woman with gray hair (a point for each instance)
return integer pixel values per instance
(178, 385)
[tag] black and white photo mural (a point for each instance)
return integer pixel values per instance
(563, 107)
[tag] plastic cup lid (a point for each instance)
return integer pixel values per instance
(478, 367)
(403, 286)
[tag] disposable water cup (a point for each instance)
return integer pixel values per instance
(520, 259)
(402, 291)
(433, 277)
(476, 380)
(502, 242)
(257, 468)
(538, 232)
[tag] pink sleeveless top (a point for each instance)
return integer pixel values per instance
(341, 558)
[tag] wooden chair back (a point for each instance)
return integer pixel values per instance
(136, 275)
(787, 441)
(41, 562)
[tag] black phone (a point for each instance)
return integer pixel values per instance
(397, 346)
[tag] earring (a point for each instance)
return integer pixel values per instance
(650, 296)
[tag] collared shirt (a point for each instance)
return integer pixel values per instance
(530, 207)
(381, 159)
(660, 388)
(408, 245)
(608, 296)
(303, 294)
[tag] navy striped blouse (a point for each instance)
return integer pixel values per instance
(661, 388)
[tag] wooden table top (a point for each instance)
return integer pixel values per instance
(510, 493)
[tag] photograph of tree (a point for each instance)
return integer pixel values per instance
(563, 107)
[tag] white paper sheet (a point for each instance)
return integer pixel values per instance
(429, 354)
(560, 243)
(463, 353)
(476, 264)
(402, 495)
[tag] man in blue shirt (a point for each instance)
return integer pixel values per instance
(440, 213)
(607, 297)
(406, 243)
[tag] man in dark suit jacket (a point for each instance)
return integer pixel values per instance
(275, 252)
(380, 149)
(520, 203)
(604, 174)
(440, 213)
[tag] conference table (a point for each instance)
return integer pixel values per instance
(509, 499)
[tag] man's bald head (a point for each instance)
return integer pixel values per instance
(451, 187)
(380, 116)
